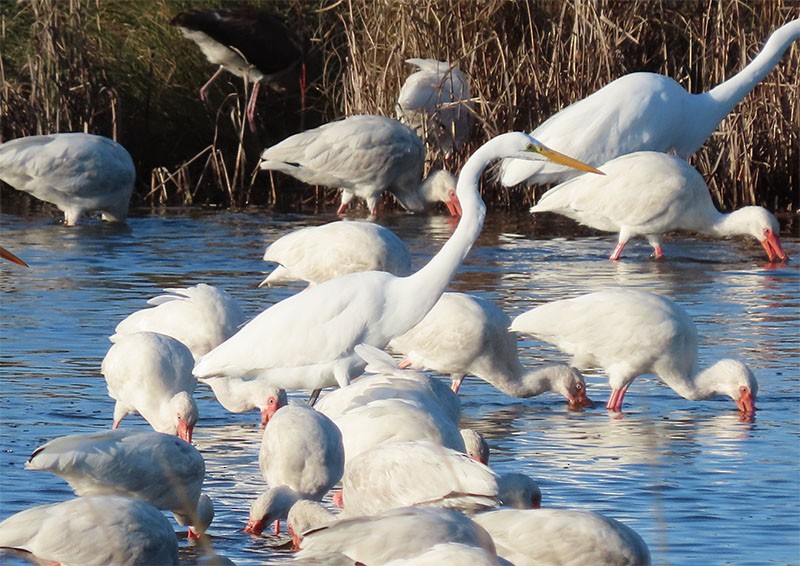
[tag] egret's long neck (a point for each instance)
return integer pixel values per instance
(728, 94)
(428, 284)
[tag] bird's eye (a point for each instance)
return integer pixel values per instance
(743, 389)
(271, 401)
(579, 387)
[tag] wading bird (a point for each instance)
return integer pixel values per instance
(364, 156)
(629, 333)
(248, 42)
(77, 172)
(643, 112)
(464, 335)
(307, 341)
(648, 194)
(436, 102)
(318, 253)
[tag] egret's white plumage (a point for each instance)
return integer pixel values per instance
(648, 194)
(151, 374)
(200, 316)
(93, 531)
(301, 457)
(558, 536)
(79, 173)
(363, 155)
(398, 474)
(154, 467)
(463, 334)
(644, 112)
(318, 253)
(629, 333)
(393, 534)
(436, 102)
(307, 341)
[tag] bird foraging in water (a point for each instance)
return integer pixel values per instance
(308, 340)
(77, 172)
(629, 333)
(364, 156)
(643, 112)
(318, 253)
(250, 43)
(649, 193)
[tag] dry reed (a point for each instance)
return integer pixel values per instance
(119, 69)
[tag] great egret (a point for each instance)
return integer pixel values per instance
(648, 194)
(629, 333)
(364, 155)
(248, 42)
(641, 112)
(93, 531)
(307, 341)
(436, 102)
(76, 172)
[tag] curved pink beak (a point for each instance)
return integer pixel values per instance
(772, 245)
(579, 401)
(453, 206)
(184, 431)
(746, 403)
(254, 527)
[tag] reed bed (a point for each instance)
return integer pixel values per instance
(119, 69)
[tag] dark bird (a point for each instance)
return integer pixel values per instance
(250, 43)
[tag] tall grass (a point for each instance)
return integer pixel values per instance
(119, 69)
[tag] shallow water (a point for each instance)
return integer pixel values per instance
(697, 483)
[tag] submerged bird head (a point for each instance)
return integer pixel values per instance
(272, 505)
(519, 491)
(569, 382)
(734, 379)
(440, 186)
(764, 227)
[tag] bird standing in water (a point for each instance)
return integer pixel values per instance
(250, 43)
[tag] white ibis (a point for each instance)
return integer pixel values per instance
(559, 536)
(629, 333)
(158, 468)
(93, 531)
(364, 156)
(318, 253)
(644, 112)
(79, 173)
(151, 374)
(301, 457)
(463, 334)
(200, 316)
(250, 43)
(648, 194)
(308, 340)
(436, 102)
(395, 534)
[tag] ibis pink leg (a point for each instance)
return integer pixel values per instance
(204, 88)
